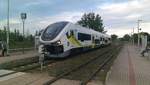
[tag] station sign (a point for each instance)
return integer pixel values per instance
(23, 15)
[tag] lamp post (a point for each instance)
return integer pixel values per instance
(7, 34)
(138, 28)
(23, 17)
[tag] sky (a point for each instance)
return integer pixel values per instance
(119, 16)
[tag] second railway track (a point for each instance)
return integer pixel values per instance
(26, 67)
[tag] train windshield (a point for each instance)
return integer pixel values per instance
(53, 30)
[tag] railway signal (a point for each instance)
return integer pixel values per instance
(41, 61)
(23, 17)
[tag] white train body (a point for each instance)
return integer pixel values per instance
(60, 38)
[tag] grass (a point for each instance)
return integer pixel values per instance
(26, 44)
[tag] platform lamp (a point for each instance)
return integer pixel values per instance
(138, 28)
(7, 32)
(23, 17)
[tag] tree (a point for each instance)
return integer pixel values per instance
(93, 21)
(114, 37)
(36, 33)
(126, 37)
(135, 37)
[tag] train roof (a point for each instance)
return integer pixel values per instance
(92, 31)
(88, 29)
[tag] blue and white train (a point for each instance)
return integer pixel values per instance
(60, 39)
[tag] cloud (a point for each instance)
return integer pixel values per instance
(120, 31)
(64, 16)
(118, 17)
(133, 16)
(38, 23)
(32, 3)
(121, 8)
(122, 16)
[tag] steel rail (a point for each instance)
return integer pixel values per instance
(101, 66)
(74, 69)
(26, 69)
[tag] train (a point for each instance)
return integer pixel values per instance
(60, 39)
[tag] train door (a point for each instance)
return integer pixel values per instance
(106, 41)
(72, 37)
(93, 41)
(101, 42)
(73, 33)
(70, 34)
(1, 49)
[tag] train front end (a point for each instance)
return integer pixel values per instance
(51, 43)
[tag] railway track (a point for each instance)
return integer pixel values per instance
(99, 58)
(27, 67)
(100, 66)
(103, 61)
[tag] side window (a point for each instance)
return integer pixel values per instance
(67, 34)
(100, 39)
(71, 32)
(106, 41)
(93, 39)
(97, 41)
(0, 45)
(68, 44)
(82, 36)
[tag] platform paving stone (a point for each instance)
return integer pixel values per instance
(18, 56)
(66, 82)
(11, 76)
(4, 72)
(130, 68)
(27, 79)
(95, 83)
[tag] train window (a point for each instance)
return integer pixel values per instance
(97, 41)
(92, 39)
(0, 46)
(101, 39)
(68, 44)
(67, 35)
(53, 30)
(71, 32)
(82, 36)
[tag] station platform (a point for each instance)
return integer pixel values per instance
(21, 78)
(130, 68)
(15, 56)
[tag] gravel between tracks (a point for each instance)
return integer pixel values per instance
(68, 64)
(83, 73)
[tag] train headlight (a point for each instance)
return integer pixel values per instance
(58, 42)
